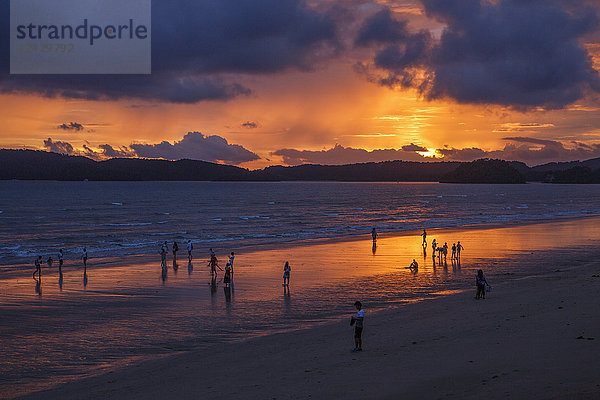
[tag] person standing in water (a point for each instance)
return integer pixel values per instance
(60, 258)
(374, 234)
(190, 247)
(358, 326)
(459, 247)
(38, 267)
(227, 275)
(84, 257)
(175, 250)
(231, 258)
(286, 274)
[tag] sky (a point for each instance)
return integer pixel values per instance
(284, 82)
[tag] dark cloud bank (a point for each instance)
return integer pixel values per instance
(195, 46)
(514, 53)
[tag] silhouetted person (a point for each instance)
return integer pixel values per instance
(480, 281)
(49, 262)
(227, 275)
(175, 250)
(190, 247)
(453, 257)
(374, 234)
(358, 326)
(286, 273)
(163, 255)
(231, 258)
(434, 246)
(214, 263)
(84, 257)
(60, 258)
(414, 266)
(424, 234)
(38, 267)
(445, 251)
(459, 247)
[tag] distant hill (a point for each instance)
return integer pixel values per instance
(486, 171)
(42, 165)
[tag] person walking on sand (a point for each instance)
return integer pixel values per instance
(84, 257)
(424, 234)
(481, 282)
(459, 247)
(358, 326)
(190, 247)
(453, 256)
(374, 234)
(175, 250)
(414, 266)
(286, 274)
(38, 267)
(434, 246)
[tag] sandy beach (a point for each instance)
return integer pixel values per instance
(536, 336)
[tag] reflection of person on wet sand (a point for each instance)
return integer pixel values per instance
(85, 277)
(374, 249)
(190, 267)
(286, 274)
(414, 266)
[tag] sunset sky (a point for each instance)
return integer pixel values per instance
(256, 83)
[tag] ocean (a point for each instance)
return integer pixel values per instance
(127, 218)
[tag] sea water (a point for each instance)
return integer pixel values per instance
(124, 307)
(124, 218)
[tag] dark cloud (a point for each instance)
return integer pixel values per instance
(516, 53)
(339, 155)
(196, 146)
(529, 150)
(413, 147)
(196, 45)
(250, 125)
(71, 126)
(58, 147)
(109, 152)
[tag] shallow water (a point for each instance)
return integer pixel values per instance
(126, 311)
(125, 218)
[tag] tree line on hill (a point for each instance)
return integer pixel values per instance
(42, 165)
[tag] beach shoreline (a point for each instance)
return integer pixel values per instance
(533, 337)
(492, 266)
(148, 258)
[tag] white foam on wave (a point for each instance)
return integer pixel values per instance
(117, 204)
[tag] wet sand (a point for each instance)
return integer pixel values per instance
(533, 337)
